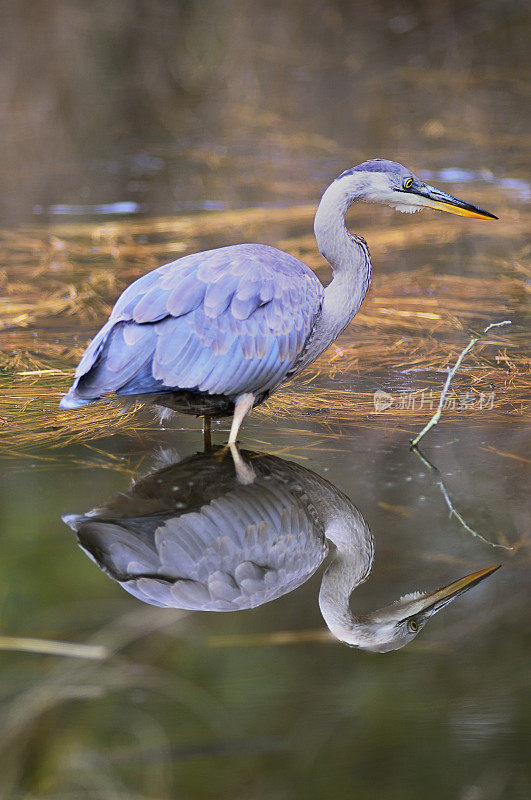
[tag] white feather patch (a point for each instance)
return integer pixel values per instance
(408, 597)
(406, 209)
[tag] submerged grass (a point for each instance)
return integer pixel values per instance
(60, 284)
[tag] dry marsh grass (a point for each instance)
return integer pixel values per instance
(58, 285)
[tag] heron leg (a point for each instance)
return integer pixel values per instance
(244, 471)
(207, 433)
(244, 403)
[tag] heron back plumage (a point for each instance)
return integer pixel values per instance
(230, 547)
(220, 322)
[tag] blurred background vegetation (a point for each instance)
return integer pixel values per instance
(100, 98)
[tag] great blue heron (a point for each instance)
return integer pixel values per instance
(193, 536)
(215, 333)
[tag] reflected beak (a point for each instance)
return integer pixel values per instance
(431, 603)
(442, 201)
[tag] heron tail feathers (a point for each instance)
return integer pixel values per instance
(70, 401)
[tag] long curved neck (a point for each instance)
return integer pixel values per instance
(349, 258)
(350, 566)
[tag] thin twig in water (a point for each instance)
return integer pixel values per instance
(453, 511)
(436, 417)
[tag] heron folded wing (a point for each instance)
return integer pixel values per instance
(125, 352)
(116, 548)
(243, 548)
(225, 321)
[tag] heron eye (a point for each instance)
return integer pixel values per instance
(413, 626)
(408, 183)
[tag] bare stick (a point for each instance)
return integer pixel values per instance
(451, 372)
(453, 511)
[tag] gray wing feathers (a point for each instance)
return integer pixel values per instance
(239, 551)
(224, 321)
(93, 350)
(126, 350)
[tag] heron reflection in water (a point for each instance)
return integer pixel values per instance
(201, 535)
(215, 333)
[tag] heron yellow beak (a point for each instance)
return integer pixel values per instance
(434, 198)
(431, 603)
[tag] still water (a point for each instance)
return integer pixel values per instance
(220, 124)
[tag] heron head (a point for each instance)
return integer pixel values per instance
(392, 627)
(392, 184)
